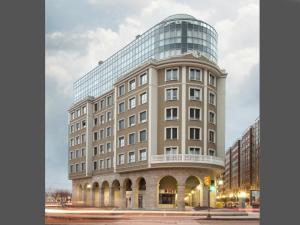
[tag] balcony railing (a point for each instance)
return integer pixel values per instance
(188, 158)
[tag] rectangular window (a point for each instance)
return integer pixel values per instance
(95, 165)
(143, 79)
(83, 166)
(96, 107)
(108, 131)
(83, 138)
(77, 139)
(95, 121)
(108, 116)
(171, 114)
(71, 168)
(77, 126)
(195, 74)
(212, 117)
(131, 157)
(121, 159)
(171, 133)
(108, 147)
(212, 80)
(109, 100)
(131, 85)
(121, 107)
(84, 109)
(95, 150)
(195, 133)
(71, 155)
(143, 154)
(121, 142)
(95, 136)
(78, 112)
(102, 120)
(131, 139)
(131, 121)
(77, 168)
(171, 74)
(143, 135)
(72, 115)
(171, 151)
(143, 98)
(194, 151)
(72, 128)
(211, 152)
(108, 163)
(121, 124)
(101, 134)
(77, 154)
(101, 164)
(195, 114)
(132, 103)
(195, 94)
(171, 94)
(212, 98)
(121, 90)
(101, 149)
(72, 142)
(83, 152)
(143, 117)
(211, 136)
(102, 104)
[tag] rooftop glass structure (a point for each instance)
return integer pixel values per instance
(175, 35)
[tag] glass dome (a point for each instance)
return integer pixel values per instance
(179, 17)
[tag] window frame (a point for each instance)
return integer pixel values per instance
(171, 107)
(201, 74)
(200, 113)
(171, 127)
(200, 93)
(172, 88)
(172, 68)
(189, 133)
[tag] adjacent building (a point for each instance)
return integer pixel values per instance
(147, 124)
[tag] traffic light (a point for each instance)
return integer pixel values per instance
(212, 185)
(207, 181)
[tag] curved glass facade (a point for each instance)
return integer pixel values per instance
(173, 36)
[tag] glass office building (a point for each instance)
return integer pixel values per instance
(175, 35)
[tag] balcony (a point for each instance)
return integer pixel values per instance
(187, 158)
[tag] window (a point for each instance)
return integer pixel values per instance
(108, 163)
(108, 147)
(95, 150)
(131, 85)
(212, 80)
(143, 98)
(95, 165)
(108, 131)
(78, 112)
(83, 152)
(171, 150)
(211, 136)
(83, 138)
(121, 142)
(95, 121)
(171, 94)
(121, 124)
(102, 119)
(96, 107)
(211, 152)
(131, 157)
(109, 100)
(77, 168)
(131, 121)
(72, 142)
(83, 166)
(84, 109)
(143, 117)
(72, 155)
(121, 90)
(101, 149)
(108, 116)
(77, 126)
(95, 136)
(195, 74)
(195, 133)
(77, 140)
(77, 154)
(71, 128)
(101, 164)
(171, 113)
(195, 94)
(212, 117)
(171, 74)
(171, 133)
(121, 107)
(143, 135)
(143, 154)
(132, 103)
(195, 114)
(72, 115)
(121, 159)
(194, 151)
(102, 104)
(212, 98)
(101, 134)
(71, 168)
(143, 79)
(131, 139)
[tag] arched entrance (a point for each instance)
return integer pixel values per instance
(116, 193)
(128, 193)
(79, 199)
(193, 192)
(140, 195)
(167, 191)
(95, 190)
(105, 194)
(87, 195)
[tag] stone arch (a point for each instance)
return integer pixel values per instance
(96, 194)
(193, 191)
(167, 192)
(140, 194)
(116, 187)
(79, 194)
(87, 194)
(104, 201)
(128, 193)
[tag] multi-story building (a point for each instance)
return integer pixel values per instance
(148, 123)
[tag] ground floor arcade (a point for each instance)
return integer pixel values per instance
(149, 189)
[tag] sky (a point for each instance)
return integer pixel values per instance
(79, 33)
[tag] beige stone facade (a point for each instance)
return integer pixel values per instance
(149, 141)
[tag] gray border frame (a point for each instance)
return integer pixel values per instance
(279, 76)
(22, 97)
